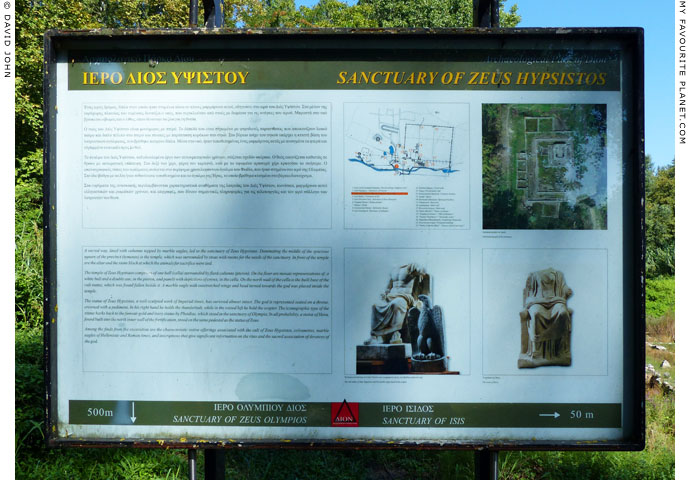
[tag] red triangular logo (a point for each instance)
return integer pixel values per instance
(345, 414)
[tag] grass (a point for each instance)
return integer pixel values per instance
(662, 328)
(657, 356)
(545, 125)
(656, 462)
(91, 463)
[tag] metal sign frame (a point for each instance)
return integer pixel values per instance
(371, 45)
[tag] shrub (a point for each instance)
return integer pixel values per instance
(28, 255)
(28, 389)
(660, 296)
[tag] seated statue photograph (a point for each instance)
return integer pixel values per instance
(388, 315)
(546, 320)
(406, 331)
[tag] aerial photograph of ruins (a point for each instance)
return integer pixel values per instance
(544, 166)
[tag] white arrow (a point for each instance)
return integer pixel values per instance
(133, 418)
(554, 415)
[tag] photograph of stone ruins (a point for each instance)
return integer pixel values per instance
(544, 166)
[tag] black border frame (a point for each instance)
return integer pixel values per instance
(372, 44)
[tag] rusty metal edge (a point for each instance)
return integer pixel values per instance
(639, 228)
(50, 315)
(471, 32)
(340, 31)
(341, 444)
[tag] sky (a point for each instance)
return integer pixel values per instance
(657, 19)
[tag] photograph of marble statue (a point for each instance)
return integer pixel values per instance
(546, 320)
(406, 331)
(427, 332)
(388, 315)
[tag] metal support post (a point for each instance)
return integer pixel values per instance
(193, 13)
(214, 464)
(486, 13)
(214, 16)
(486, 465)
(191, 455)
(213, 13)
(485, 16)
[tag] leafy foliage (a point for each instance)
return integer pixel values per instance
(364, 14)
(28, 381)
(431, 13)
(660, 296)
(33, 18)
(28, 255)
(29, 169)
(138, 14)
(423, 13)
(660, 211)
(332, 13)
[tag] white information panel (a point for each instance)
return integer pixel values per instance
(399, 250)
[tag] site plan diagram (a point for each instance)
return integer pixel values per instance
(406, 140)
(406, 164)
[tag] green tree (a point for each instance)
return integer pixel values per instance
(32, 19)
(139, 14)
(261, 14)
(660, 211)
(432, 13)
(364, 14)
(332, 13)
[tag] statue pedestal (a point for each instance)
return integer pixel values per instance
(423, 366)
(384, 351)
(383, 358)
(525, 361)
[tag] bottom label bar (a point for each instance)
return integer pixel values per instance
(346, 413)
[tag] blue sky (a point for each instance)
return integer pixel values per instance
(657, 19)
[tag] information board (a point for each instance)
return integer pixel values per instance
(377, 238)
